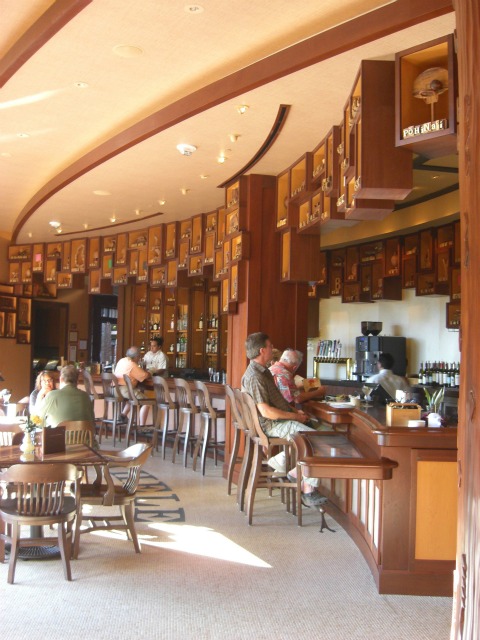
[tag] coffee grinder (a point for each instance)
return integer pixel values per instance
(370, 345)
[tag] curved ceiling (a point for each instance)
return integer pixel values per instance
(160, 73)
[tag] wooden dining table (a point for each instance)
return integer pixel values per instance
(79, 454)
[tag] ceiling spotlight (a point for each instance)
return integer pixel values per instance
(204, 176)
(101, 192)
(186, 149)
(23, 135)
(233, 137)
(184, 191)
(193, 8)
(242, 108)
(127, 51)
(137, 212)
(162, 202)
(85, 225)
(80, 85)
(55, 224)
(113, 219)
(30, 234)
(221, 159)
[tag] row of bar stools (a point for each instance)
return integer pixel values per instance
(137, 407)
(187, 411)
(113, 403)
(240, 439)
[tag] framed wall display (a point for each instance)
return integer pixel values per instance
(73, 336)
(72, 352)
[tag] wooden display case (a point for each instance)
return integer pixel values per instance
(138, 239)
(372, 252)
(155, 237)
(239, 247)
(51, 269)
(158, 276)
(120, 275)
(8, 310)
(185, 230)
(172, 271)
(455, 284)
(66, 261)
(425, 284)
(96, 284)
(38, 257)
(426, 96)
(331, 181)
(26, 273)
(132, 263)
(220, 271)
(209, 247)
(183, 247)
(195, 265)
(142, 274)
(171, 240)
(393, 256)
(457, 250)
(221, 215)
(107, 265)
(79, 256)
(299, 257)
(94, 253)
(300, 173)
(109, 244)
(139, 315)
(426, 245)
(409, 271)
(20, 253)
(352, 271)
(211, 220)
(14, 272)
(283, 190)
(196, 240)
(122, 244)
(318, 165)
(453, 315)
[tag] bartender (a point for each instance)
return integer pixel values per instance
(385, 377)
(283, 373)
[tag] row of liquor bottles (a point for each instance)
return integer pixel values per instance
(440, 373)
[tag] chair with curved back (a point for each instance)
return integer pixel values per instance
(40, 500)
(208, 435)
(265, 478)
(136, 404)
(10, 435)
(187, 410)
(78, 431)
(107, 493)
(93, 394)
(113, 402)
(166, 408)
(240, 437)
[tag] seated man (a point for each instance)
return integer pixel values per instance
(386, 378)
(129, 366)
(283, 373)
(67, 402)
(277, 417)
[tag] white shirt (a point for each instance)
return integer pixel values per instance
(389, 381)
(155, 361)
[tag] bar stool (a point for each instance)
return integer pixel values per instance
(165, 408)
(94, 395)
(208, 435)
(260, 478)
(136, 404)
(113, 399)
(187, 411)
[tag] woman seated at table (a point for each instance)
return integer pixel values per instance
(44, 383)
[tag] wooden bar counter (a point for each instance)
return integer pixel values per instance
(402, 520)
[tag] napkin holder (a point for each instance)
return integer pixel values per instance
(399, 413)
(53, 440)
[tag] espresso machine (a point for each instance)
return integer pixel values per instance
(370, 345)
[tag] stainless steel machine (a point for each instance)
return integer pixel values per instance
(368, 348)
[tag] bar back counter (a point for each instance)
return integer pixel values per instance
(393, 489)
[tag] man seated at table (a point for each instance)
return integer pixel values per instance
(67, 402)
(277, 417)
(129, 366)
(283, 373)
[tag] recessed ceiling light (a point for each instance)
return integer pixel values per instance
(127, 51)
(435, 177)
(193, 8)
(59, 230)
(221, 159)
(162, 202)
(113, 218)
(137, 212)
(242, 108)
(55, 224)
(204, 176)
(186, 149)
(30, 234)
(101, 192)
(184, 191)
(233, 137)
(85, 225)
(80, 85)
(23, 135)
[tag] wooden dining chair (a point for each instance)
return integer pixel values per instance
(10, 435)
(107, 493)
(40, 500)
(208, 435)
(260, 476)
(79, 431)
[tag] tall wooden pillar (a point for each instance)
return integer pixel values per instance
(279, 309)
(466, 619)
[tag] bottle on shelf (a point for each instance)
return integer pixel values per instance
(172, 322)
(420, 373)
(200, 321)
